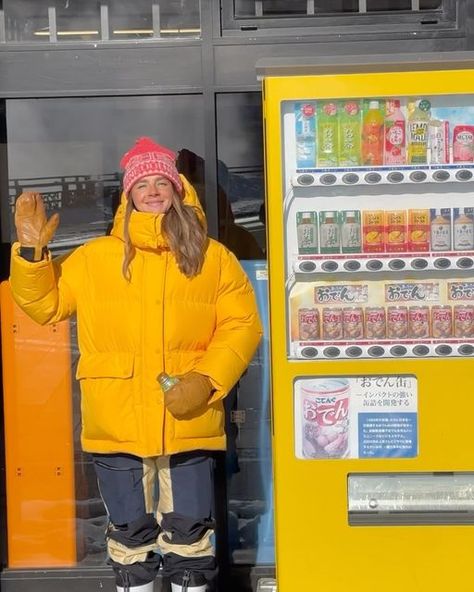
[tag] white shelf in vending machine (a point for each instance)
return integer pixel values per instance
(354, 263)
(429, 348)
(383, 175)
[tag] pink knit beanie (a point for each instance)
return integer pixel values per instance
(148, 158)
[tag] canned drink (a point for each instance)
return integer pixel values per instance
(353, 322)
(332, 324)
(325, 410)
(309, 326)
(464, 320)
(441, 321)
(419, 322)
(375, 322)
(397, 322)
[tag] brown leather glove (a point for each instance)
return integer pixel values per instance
(33, 229)
(188, 395)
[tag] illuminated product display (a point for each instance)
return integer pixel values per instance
(377, 207)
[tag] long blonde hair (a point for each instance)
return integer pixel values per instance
(185, 232)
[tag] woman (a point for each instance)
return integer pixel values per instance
(157, 295)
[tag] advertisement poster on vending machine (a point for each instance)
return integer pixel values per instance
(356, 417)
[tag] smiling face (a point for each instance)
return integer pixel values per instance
(152, 194)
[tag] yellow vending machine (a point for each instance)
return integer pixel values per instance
(370, 179)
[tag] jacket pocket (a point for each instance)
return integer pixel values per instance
(207, 425)
(107, 387)
(105, 365)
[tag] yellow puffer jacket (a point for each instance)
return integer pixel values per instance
(129, 332)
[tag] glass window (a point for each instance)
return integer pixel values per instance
(258, 8)
(69, 150)
(96, 20)
(242, 229)
(240, 174)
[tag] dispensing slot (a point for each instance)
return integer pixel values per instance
(382, 499)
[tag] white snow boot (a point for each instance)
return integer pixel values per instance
(189, 582)
(144, 588)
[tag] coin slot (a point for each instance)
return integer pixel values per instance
(442, 263)
(350, 178)
(441, 175)
(373, 178)
(419, 263)
(305, 179)
(396, 264)
(309, 352)
(354, 351)
(327, 179)
(418, 176)
(332, 352)
(352, 265)
(465, 262)
(376, 351)
(463, 175)
(395, 177)
(307, 266)
(374, 265)
(443, 350)
(466, 349)
(330, 265)
(398, 350)
(421, 350)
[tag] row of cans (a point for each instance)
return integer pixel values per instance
(393, 322)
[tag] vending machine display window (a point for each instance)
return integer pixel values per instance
(379, 226)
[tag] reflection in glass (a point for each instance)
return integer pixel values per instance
(93, 20)
(240, 174)
(69, 150)
(242, 229)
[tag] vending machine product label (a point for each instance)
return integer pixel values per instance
(373, 416)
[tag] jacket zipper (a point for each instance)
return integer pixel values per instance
(165, 254)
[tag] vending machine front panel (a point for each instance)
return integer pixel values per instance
(370, 180)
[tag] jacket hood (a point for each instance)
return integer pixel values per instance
(145, 228)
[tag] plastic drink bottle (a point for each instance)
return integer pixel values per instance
(305, 131)
(349, 134)
(327, 134)
(166, 381)
(463, 229)
(307, 232)
(395, 135)
(441, 229)
(372, 136)
(418, 122)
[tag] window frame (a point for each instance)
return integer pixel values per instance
(444, 20)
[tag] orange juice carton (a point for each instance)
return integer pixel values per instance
(395, 231)
(373, 231)
(419, 230)
(463, 143)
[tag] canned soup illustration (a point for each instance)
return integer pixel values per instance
(325, 409)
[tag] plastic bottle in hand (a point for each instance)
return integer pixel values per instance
(166, 381)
